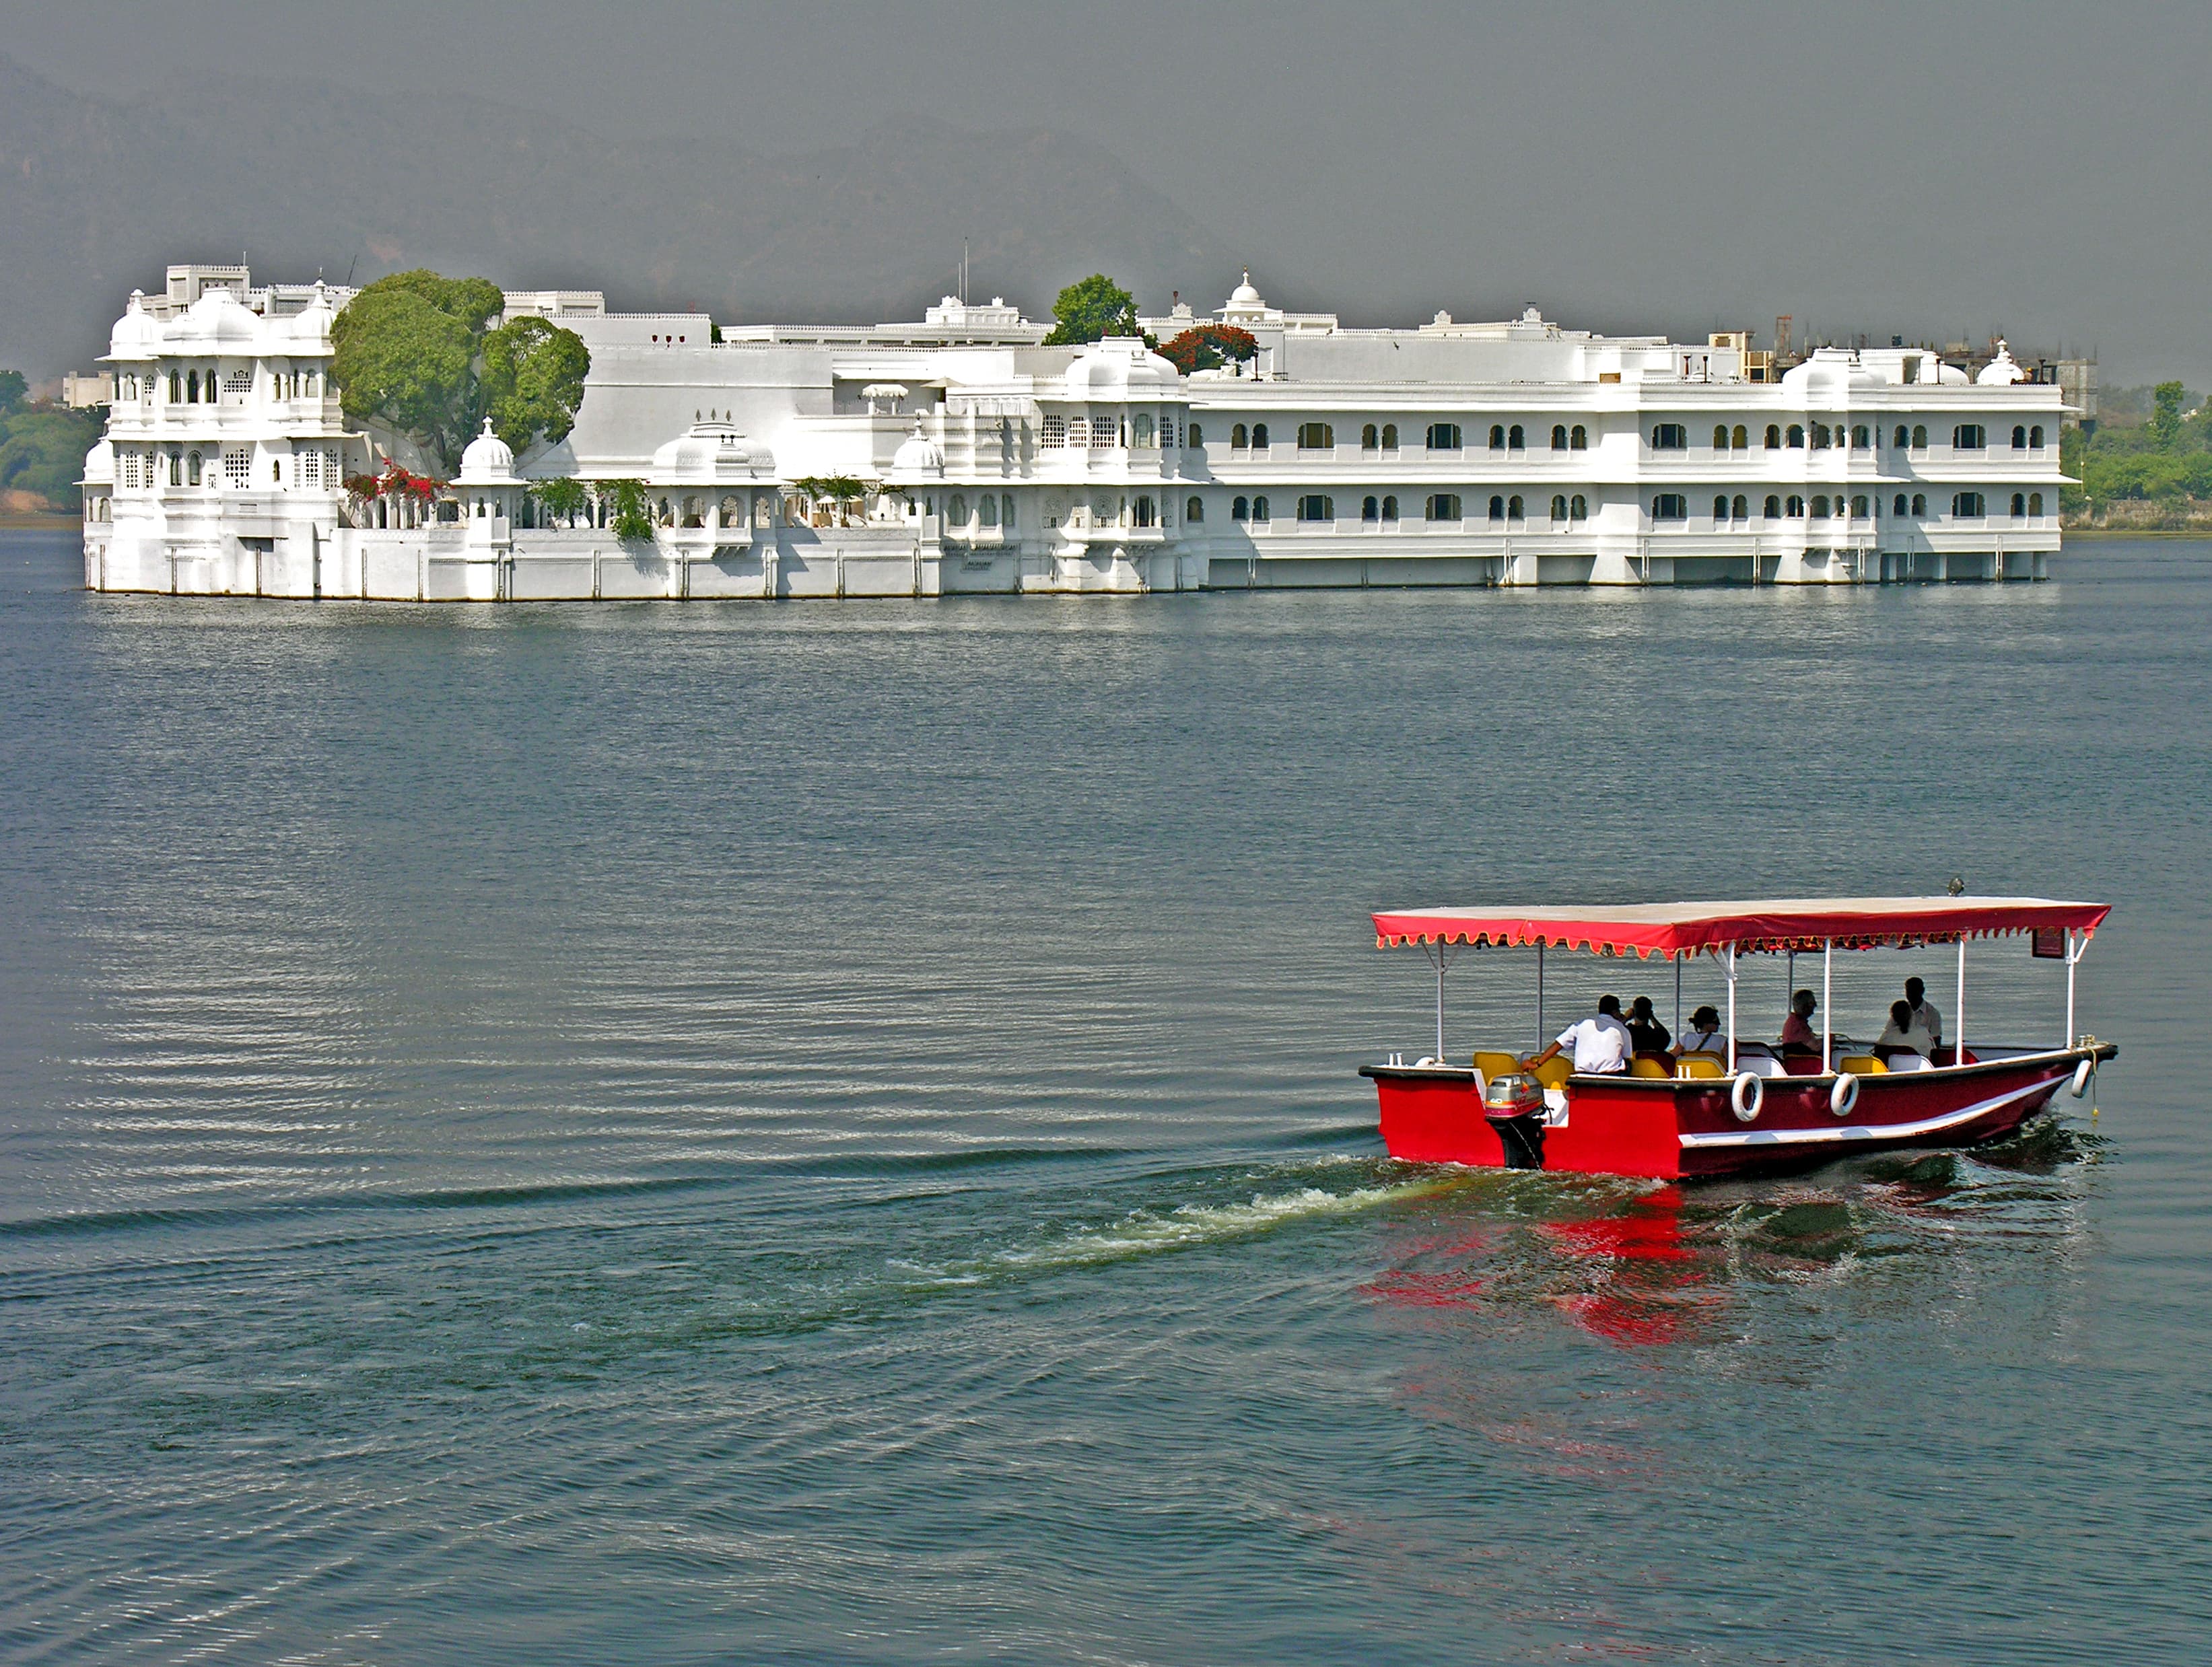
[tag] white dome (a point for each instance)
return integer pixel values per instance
(1244, 294)
(136, 335)
(217, 319)
(488, 462)
(917, 458)
(310, 327)
(99, 464)
(2002, 371)
(705, 454)
(1118, 367)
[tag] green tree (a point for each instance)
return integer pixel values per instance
(1094, 307)
(2165, 412)
(533, 380)
(414, 352)
(631, 511)
(13, 391)
(562, 500)
(42, 452)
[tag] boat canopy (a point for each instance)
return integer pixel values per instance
(1671, 930)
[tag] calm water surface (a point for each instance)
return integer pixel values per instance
(827, 1133)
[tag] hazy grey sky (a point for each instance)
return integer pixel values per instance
(1945, 169)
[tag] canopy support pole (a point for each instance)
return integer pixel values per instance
(1959, 1020)
(1827, 976)
(1678, 998)
(1539, 995)
(1731, 979)
(1441, 958)
(2077, 945)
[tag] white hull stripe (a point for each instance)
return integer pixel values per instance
(1858, 1131)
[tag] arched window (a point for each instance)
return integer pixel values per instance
(1739, 438)
(1515, 439)
(1514, 509)
(732, 510)
(1144, 431)
(1370, 438)
(1796, 436)
(1901, 438)
(1720, 508)
(1390, 437)
(692, 517)
(1313, 506)
(1823, 436)
(1670, 507)
(1739, 508)
(2019, 502)
(193, 469)
(176, 387)
(1497, 506)
(2035, 503)
(1897, 508)
(2035, 437)
(1821, 507)
(2019, 436)
(1444, 506)
(1498, 437)
(956, 513)
(1240, 510)
(1795, 507)
(1919, 437)
(1147, 516)
(1193, 511)
(1558, 436)
(1390, 506)
(1259, 437)
(1772, 508)
(1579, 440)
(987, 510)
(1773, 437)
(1920, 504)
(1968, 506)
(1237, 438)
(1859, 506)
(1316, 437)
(1577, 508)
(1720, 437)
(1193, 436)
(192, 387)
(1558, 506)
(1861, 440)
(1371, 508)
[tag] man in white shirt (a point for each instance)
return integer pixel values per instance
(1601, 1045)
(1924, 1015)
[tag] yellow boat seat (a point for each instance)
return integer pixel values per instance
(1553, 1073)
(1648, 1068)
(1861, 1065)
(1701, 1065)
(1494, 1065)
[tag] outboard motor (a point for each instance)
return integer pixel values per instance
(1513, 1105)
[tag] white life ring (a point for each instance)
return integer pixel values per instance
(2082, 1073)
(1844, 1094)
(1748, 1095)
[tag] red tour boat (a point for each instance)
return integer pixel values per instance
(1743, 1109)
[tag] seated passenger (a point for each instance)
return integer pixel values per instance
(1601, 1045)
(1644, 1029)
(1798, 1038)
(1704, 1035)
(1905, 1035)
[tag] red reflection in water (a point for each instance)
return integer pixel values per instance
(1652, 1292)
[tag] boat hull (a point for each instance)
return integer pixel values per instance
(1674, 1129)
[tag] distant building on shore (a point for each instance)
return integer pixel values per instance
(960, 454)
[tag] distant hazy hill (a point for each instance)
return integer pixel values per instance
(97, 196)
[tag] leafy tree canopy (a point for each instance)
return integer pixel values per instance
(13, 391)
(1205, 347)
(1094, 307)
(43, 451)
(565, 498)
(414, 352)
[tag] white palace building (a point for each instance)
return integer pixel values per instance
(1515, 453)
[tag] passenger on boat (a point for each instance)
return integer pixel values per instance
(1925, 1014)
(1704, 1035)
(1644, 1029)
(1600, 1044)
(1906, 1034)
(1798, 1038)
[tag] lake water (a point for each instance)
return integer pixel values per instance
(830, 1133)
